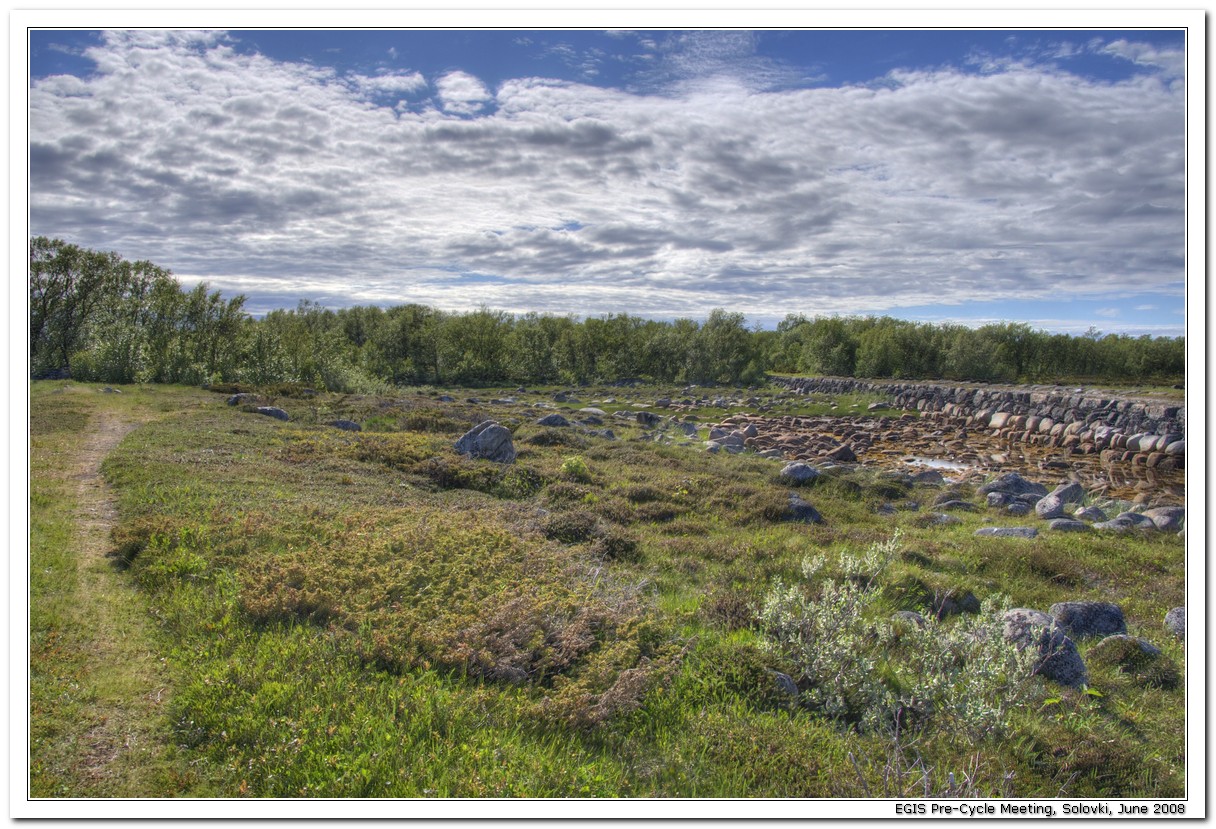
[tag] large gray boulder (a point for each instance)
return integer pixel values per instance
(1070, 493)
(487, 440)
(1079, 619)
(1049, 507)
(1058, 658)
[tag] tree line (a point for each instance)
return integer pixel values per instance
(95, 316)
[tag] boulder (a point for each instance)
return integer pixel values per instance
(553, 420)
(1007, 532)
(1090, 514)
(1018, 509)
(648, 419)
(1167, 519)
(800, 510)
(346, 425)
(842, 454)
(1049, 507)
(273, 411)
(1175, 622)
(798, 473)
(1070, 493)
(1078, 619)
(487, 440)
(1058, 658)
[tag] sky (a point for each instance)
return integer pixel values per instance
(956, 175)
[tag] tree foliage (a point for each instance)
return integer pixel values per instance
(97, 316)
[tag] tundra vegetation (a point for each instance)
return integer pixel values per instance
(617, 613)
(334, 601)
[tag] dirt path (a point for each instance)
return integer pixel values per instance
(119, 739)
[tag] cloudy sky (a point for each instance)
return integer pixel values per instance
(1032, 175)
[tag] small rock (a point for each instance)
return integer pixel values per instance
(1058, 659)
(955, 504)
(243, 397)
(999, 499)
(1175, 622)
(1018, 509)
(954, 601)
(1049, 507)
(1090, 514)
(1007, 532)
(929, 476)
(801, 510)
(937, 519)
(785, 683)
(553, 420)
(1138, 658)
(1167, 519)
(273, 411)
(1067, 525)
(1014, 484)
(346, 425)
(1079, 619)
(798, 473)
(487, 440)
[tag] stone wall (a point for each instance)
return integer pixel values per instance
(1053, 414)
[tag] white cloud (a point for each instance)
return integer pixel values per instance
(462, 93)
(938, 186)
(1107, 312)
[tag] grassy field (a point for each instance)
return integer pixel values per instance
(306, 611)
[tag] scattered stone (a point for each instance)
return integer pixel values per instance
(1070, 493)
(243, 397)
(273, 411)
(1090, 514)
(346, 425)
(910, 616)
(649, 419)
(1079, 619)
(1049, 507)
(592, 411)
(929, 476)
(110, 390)
(1167, 519)
(1014, 484)
(487, 440)
(842, 454)
(1018, 509)
(937, 519)
(1058, 659)
(1175, 622)
(802, 511)
(1007, 532)
(785, 683)
(953, 601)
(553, 420)
(999, 499)
(955, 504)
(1067, 525)
(798, 473)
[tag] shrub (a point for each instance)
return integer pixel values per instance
(964, 676)
(576, 469)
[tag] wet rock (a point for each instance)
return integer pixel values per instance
(1175, 622)
(1007, 532)
(487, 440)
(1079, 619)
(1058, 658)
(1014, 484)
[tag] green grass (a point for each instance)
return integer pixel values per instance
(367, 614)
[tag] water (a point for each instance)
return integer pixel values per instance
(938, 463)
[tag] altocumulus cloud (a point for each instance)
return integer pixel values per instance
(718, 189)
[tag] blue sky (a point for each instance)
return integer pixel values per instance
(962, 175)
